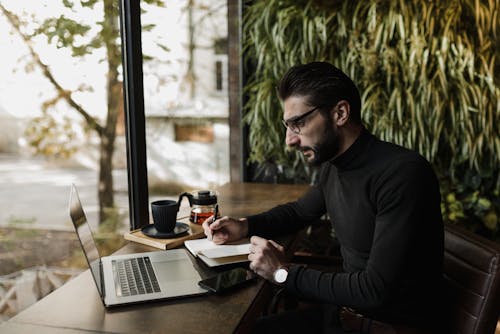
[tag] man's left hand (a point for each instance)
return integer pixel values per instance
(265, 257)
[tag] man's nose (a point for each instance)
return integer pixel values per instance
(291, 139)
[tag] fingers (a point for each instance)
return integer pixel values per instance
(210, 226)
(219, 223)
(219, 237)
(258, 242)
(207, 229)
(223, 230)
(265, 256)
(277, 245)
(255, 264)
(260, 245)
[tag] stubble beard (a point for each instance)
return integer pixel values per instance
(326, 149)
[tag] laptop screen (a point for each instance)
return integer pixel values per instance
(84, 233)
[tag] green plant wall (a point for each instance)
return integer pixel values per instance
(428, 73)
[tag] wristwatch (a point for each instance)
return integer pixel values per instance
(280, 275)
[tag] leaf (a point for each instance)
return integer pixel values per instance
(68, 4)
(425, 79)
(88, 3)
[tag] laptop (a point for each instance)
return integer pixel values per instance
(138, 277)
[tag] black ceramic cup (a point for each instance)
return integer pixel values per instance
(164, 215)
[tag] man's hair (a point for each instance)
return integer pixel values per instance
(324, 85)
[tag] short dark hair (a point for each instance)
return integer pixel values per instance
(323, 84)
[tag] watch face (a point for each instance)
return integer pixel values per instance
(280, 275)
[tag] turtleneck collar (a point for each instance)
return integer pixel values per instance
(347, 160)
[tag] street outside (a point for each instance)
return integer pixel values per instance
(36, 234)
(35, 229)
(35, 194)
(35, 226)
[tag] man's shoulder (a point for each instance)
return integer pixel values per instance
(396, 154)
(395, 162)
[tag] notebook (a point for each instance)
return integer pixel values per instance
(216, 255)
(134, 278)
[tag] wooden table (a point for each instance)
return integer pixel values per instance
(76, 307)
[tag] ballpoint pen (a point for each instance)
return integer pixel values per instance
(216, 212)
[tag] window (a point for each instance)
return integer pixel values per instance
(219, 77)
(187, 131)
(220, 55)
(54, 102)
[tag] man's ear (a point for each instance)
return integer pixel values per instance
(341, 113)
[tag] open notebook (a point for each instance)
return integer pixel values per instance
(215, 255)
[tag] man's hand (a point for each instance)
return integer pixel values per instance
(225, 229)
(265, 257)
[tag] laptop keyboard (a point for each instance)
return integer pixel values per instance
(136, 276)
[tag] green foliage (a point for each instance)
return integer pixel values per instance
(427, 72)
(474, 203)
(51, 136)
(64, 32)
(79, 37)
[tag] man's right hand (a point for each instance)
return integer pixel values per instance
(225, 229)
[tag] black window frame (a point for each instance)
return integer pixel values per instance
(135, 120)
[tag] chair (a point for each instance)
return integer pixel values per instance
(472, 281)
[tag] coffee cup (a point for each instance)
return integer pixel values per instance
(164, 215)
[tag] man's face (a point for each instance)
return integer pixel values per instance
(317, 137)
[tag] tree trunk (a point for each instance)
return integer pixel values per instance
(190, 75)
(114, 89)
(105, 187)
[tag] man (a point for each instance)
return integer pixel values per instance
(384, 205)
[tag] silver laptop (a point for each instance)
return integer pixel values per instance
(134, 278)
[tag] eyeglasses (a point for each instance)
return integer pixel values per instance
(295, 123)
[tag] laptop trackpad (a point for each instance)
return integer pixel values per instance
(175, 270)
(178, 278)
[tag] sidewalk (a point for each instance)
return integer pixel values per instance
(35, 194)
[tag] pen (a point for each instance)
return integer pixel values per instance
(216, 211)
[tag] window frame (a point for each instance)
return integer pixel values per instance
(135, 120)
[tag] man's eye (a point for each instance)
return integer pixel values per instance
(298, 123)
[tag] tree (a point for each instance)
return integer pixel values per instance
(64, 32)
(48, 136)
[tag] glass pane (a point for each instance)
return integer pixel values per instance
(61, 83)
(186, 97)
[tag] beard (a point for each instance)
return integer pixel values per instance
(326, 148)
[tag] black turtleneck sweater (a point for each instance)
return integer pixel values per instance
(384, 205)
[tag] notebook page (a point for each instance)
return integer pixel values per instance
(210, 250)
